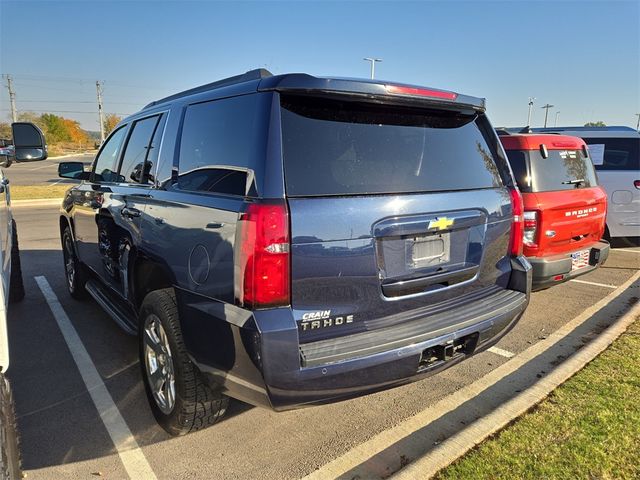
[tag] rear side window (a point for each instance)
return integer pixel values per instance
(332, 147)
(217, 146)
(615, 153)
(520, 167)
(561, 170)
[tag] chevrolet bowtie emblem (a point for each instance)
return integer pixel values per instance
(441, 223)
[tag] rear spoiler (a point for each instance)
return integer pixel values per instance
(369, 90)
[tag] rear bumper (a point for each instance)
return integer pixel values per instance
(271, 369)
(546, 270)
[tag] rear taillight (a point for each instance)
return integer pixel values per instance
(530, 235)
(636, 183)
(262, 262)
(517, 226)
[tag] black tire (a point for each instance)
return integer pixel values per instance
(73, 269)
(10, 467)
(16, 286)
(195, 404)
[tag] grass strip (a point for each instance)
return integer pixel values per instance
(31, 192)
(587, 428)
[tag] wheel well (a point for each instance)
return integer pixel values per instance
(64, 223)
(147, 277)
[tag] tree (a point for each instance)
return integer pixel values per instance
(599, 123)
(110, 122)
(5, 130)
(56, 129)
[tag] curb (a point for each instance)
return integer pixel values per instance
(37, 202)
(456, 446)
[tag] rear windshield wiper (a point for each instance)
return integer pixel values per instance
(577, 181)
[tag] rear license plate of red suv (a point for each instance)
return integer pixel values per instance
(579, 259)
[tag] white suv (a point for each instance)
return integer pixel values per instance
(29, 145)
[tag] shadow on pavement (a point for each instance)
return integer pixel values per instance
(57, 419)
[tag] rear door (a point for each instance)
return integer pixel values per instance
(393, 210)
(563, 193)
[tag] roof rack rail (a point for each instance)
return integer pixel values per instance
(256, 74)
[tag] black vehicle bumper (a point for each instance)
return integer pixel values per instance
(549, 271)
(269, 368)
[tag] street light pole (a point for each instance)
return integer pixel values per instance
(531, 99)
(555, 124)
(373, 64)
(546, 113)
(638, 122)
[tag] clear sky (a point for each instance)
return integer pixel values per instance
(581, 56)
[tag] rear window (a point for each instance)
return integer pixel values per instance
(561, 170)
(344, 148)
(615, 153)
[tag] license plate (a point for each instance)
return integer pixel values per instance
(579, 259)
(428, 251)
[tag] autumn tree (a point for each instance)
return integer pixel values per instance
(110, 122)
(5, 130)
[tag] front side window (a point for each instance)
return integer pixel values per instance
(135, 168)
(106, 163)
(217, 146)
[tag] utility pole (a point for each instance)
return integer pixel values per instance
(12, 99)
(546, 113)
(531, 99)
(373, 64)
(100, 112)
(555, 124)
(638, 122)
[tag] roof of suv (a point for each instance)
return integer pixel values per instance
(263, 80)
(532, 141)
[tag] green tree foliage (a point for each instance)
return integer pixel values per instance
(57, 130)
(5, 130)
(599, 123)
(110, 122)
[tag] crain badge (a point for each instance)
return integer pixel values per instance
(323, 319)
(440, 223)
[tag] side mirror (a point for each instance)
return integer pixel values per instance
(74, 170)
(28, 142)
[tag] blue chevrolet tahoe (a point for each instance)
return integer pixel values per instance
(291, 240)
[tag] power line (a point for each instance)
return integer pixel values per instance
(65, 111)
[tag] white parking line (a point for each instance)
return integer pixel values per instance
(40, 168)
(501, 352)
(605, 285)
(130, 454)
(625, 250)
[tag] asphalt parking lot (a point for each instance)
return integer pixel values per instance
(63, 434)
(43, 172)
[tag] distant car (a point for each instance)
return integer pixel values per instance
(615, 152)
(29, 143)
(564, 208)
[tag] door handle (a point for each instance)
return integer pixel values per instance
(214, 225)
(131, 212)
